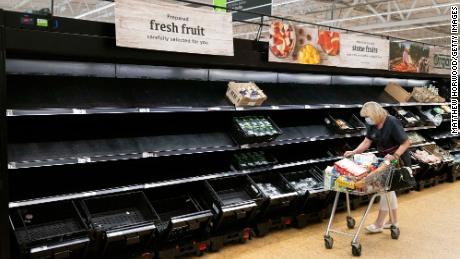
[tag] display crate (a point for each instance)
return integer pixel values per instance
(122, 222)
(353, 124)
(51, 230)
(241, 137)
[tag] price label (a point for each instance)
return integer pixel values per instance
(83, 160)
(12, 165)
(78, 111)
(342, 105)
(274, 107)
(307, 107)
(149, 154)
(214, 109)
(245, 146)
(312, 139)
(9, 112)
(347, 135)
(327, 106)
(239, 108)
(144, 110)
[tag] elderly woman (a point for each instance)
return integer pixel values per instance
(392, 142)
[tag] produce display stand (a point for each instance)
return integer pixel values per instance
(85, 121)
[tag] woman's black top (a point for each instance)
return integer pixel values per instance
(389, 138)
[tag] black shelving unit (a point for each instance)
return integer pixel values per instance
(119, 120)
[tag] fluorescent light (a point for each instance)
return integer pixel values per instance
(414, 28)
(386, 13)
(102, 8)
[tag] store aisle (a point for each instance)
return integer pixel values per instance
(429, 222)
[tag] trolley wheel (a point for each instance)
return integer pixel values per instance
(395, 232)
(350, 222)
(356, 249)
(328, 242)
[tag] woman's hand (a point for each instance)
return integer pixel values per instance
(349, 153)
(389, 157)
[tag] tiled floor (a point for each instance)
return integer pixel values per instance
(429, 223)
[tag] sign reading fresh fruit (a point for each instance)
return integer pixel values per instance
(168, 27)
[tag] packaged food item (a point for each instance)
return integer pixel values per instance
(427, 94)
(245, 94)
(365, 160)
(348, 167)
(415, 138)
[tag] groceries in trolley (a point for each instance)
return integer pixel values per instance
(364, 173)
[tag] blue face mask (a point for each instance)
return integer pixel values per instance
(369, 121)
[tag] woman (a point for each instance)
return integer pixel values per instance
(392, 142)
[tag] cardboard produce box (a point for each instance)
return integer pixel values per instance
(245, 94)
(398, 92)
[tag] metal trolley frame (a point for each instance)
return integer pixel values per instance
(355, 245)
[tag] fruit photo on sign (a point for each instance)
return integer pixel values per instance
(282, 39)
(329, 42)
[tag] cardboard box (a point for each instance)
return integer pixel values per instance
(397, 92)
(234, 95)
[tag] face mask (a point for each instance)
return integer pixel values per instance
(369, 121)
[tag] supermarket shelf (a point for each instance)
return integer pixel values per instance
(444, 136)
(423, 144)
(419, 128)
(115, 110)
(56, 198)
(16, 204)
(454, 150)
(31, 155)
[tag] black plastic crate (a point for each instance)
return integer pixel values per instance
(121, 221)
(317, 196)
(183, 209)
(351, 124)
(241, 137)
(278, 193)
(251, 160)
(409, 118)
(236, 201)
(50, 230)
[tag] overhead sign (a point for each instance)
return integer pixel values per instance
(168, 27)
(439, 61)
(257, 6)
(409, 57)
(302, 44)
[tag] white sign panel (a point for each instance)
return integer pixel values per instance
(161, 26)
(363, 52)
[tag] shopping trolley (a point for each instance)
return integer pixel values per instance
(375, 184)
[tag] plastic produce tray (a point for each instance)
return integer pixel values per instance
(47, 225)
(235, 199)
(354, 124)
(183, 209)
(121, 220)
(241, 137)
(277, 191)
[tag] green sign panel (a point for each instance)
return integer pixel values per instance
(220, 3)
(441, 61)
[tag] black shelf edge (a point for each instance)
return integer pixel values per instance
(114, 110)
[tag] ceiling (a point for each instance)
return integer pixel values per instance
(421, 20)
